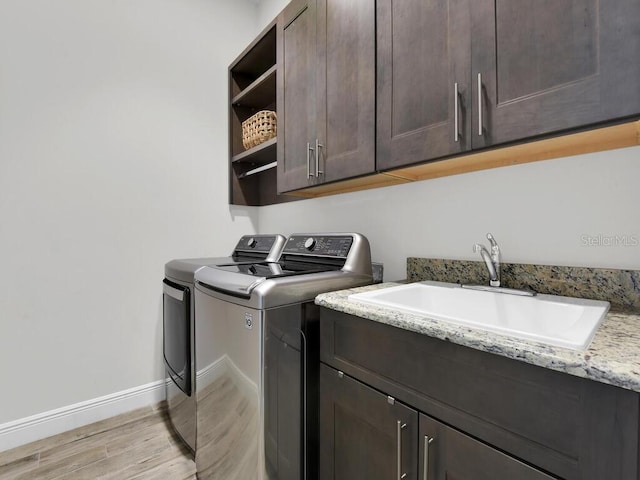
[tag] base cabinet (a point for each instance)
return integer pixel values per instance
(368, 435)
(487, 416)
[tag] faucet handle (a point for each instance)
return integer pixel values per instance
(494, 244)
(477, 247)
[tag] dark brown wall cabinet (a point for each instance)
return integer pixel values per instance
(394, 402)
(456, 75)
(326, 91)
(365, 86)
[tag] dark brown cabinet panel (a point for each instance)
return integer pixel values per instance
(282, 392)
(346, 89)
(373, 86)
(363, 433)
(424, 59)
(326, 100)
(552, 65)
(522, 68)
(446, 453)
(296, 50)
(290, 389)
(548, 419)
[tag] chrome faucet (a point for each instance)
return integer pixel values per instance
(492, 260)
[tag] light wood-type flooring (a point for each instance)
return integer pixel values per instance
(139, 445)
(228, 425)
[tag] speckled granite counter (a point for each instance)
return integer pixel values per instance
(613, 356)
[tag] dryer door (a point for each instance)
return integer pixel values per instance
(177, 333)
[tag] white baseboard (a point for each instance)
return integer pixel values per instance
(29, 429)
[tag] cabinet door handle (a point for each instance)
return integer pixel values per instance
(309, 149)
(318, 147)
(456, 132)
(427, 441)
(401, 426)
(479, 104)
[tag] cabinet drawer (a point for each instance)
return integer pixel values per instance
(550, 419)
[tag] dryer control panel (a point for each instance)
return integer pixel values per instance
(260, 244)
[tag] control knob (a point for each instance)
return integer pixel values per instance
(252, 242)
(310, 243)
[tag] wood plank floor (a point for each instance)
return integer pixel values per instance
(139, 445)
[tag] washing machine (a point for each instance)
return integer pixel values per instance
(257, 357)
(179, 329)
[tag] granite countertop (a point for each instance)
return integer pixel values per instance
(613, 356)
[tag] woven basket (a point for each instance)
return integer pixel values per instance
(259, 128)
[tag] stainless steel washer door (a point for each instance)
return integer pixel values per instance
(228, 390)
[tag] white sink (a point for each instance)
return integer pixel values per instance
(562, 321)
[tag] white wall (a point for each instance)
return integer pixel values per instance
(538, 212)
(268, 10)
(113, 160)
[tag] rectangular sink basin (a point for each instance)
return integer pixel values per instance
(553, 320)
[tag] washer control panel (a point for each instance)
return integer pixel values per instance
(256, 243)
(319, 245)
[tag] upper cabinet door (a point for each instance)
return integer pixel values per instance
(552, 65)
(326, 92)
(424, 59)
(296, 93)
(346, 89)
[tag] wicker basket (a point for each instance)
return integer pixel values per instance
(259, 128)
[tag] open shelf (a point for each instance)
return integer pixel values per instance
(252, 88)
(257, 170)
(259, 56)
(261, 154)
(260, 93)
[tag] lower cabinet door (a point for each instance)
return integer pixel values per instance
(446, 453)
(364, 434)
